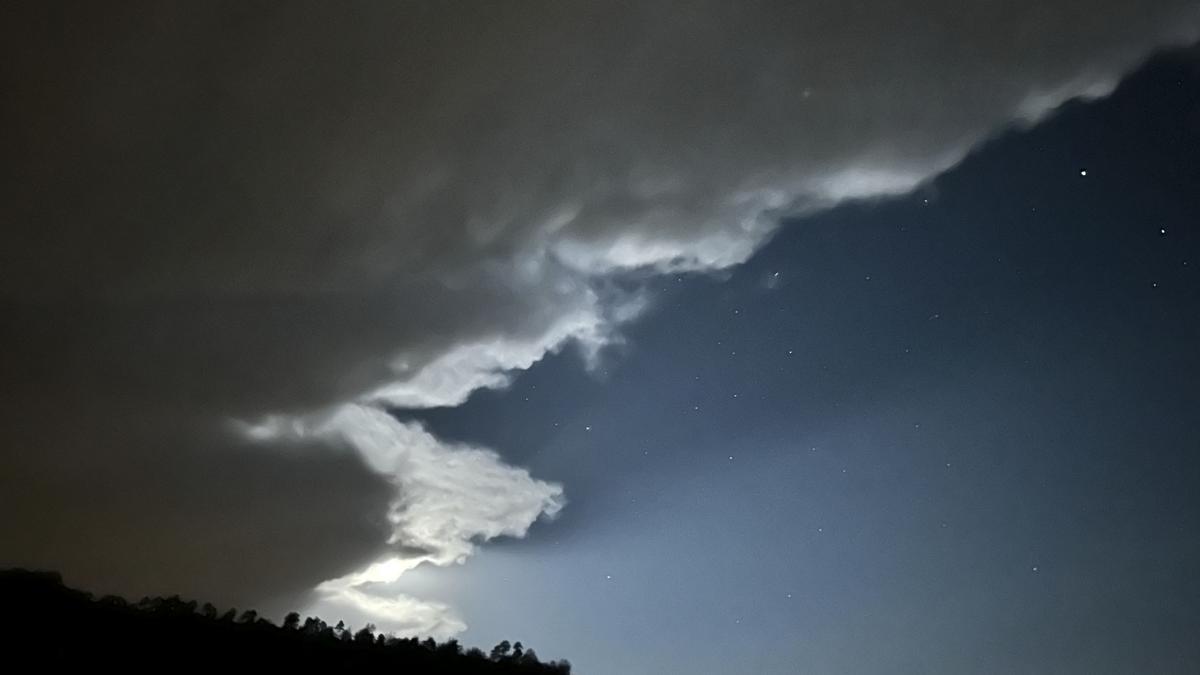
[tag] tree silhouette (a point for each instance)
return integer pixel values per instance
(111, 633)
(365, 635)
(291, 621)
(450, 646)
(501, 650)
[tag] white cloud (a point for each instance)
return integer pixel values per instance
(396, 613)
(452, 376)
(449, 498)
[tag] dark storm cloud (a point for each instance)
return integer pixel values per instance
(185, 510)
(234, 210)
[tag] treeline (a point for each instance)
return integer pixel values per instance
(53, 625)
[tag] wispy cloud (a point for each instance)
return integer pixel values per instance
(449, 498)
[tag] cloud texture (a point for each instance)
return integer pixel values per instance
(448, 498)
(235, 232)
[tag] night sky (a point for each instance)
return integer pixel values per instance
(951, 432)
(925, 402)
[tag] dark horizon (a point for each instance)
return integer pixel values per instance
(111, 632)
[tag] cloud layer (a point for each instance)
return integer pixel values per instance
(293, 215)
(448, 498)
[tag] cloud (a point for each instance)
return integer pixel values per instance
(395, 613)
(206, 516)
(289, 212)
(448, 498)
(448, 495)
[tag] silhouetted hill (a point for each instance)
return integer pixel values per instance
(47, 624)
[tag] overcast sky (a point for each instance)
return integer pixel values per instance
(277, 281)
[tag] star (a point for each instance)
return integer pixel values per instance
(587, 428)
(1083, 172)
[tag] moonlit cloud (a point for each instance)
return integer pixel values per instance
(448, 495)
(298, 215)
(397, 613)
(451, 377)
(448, 498)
